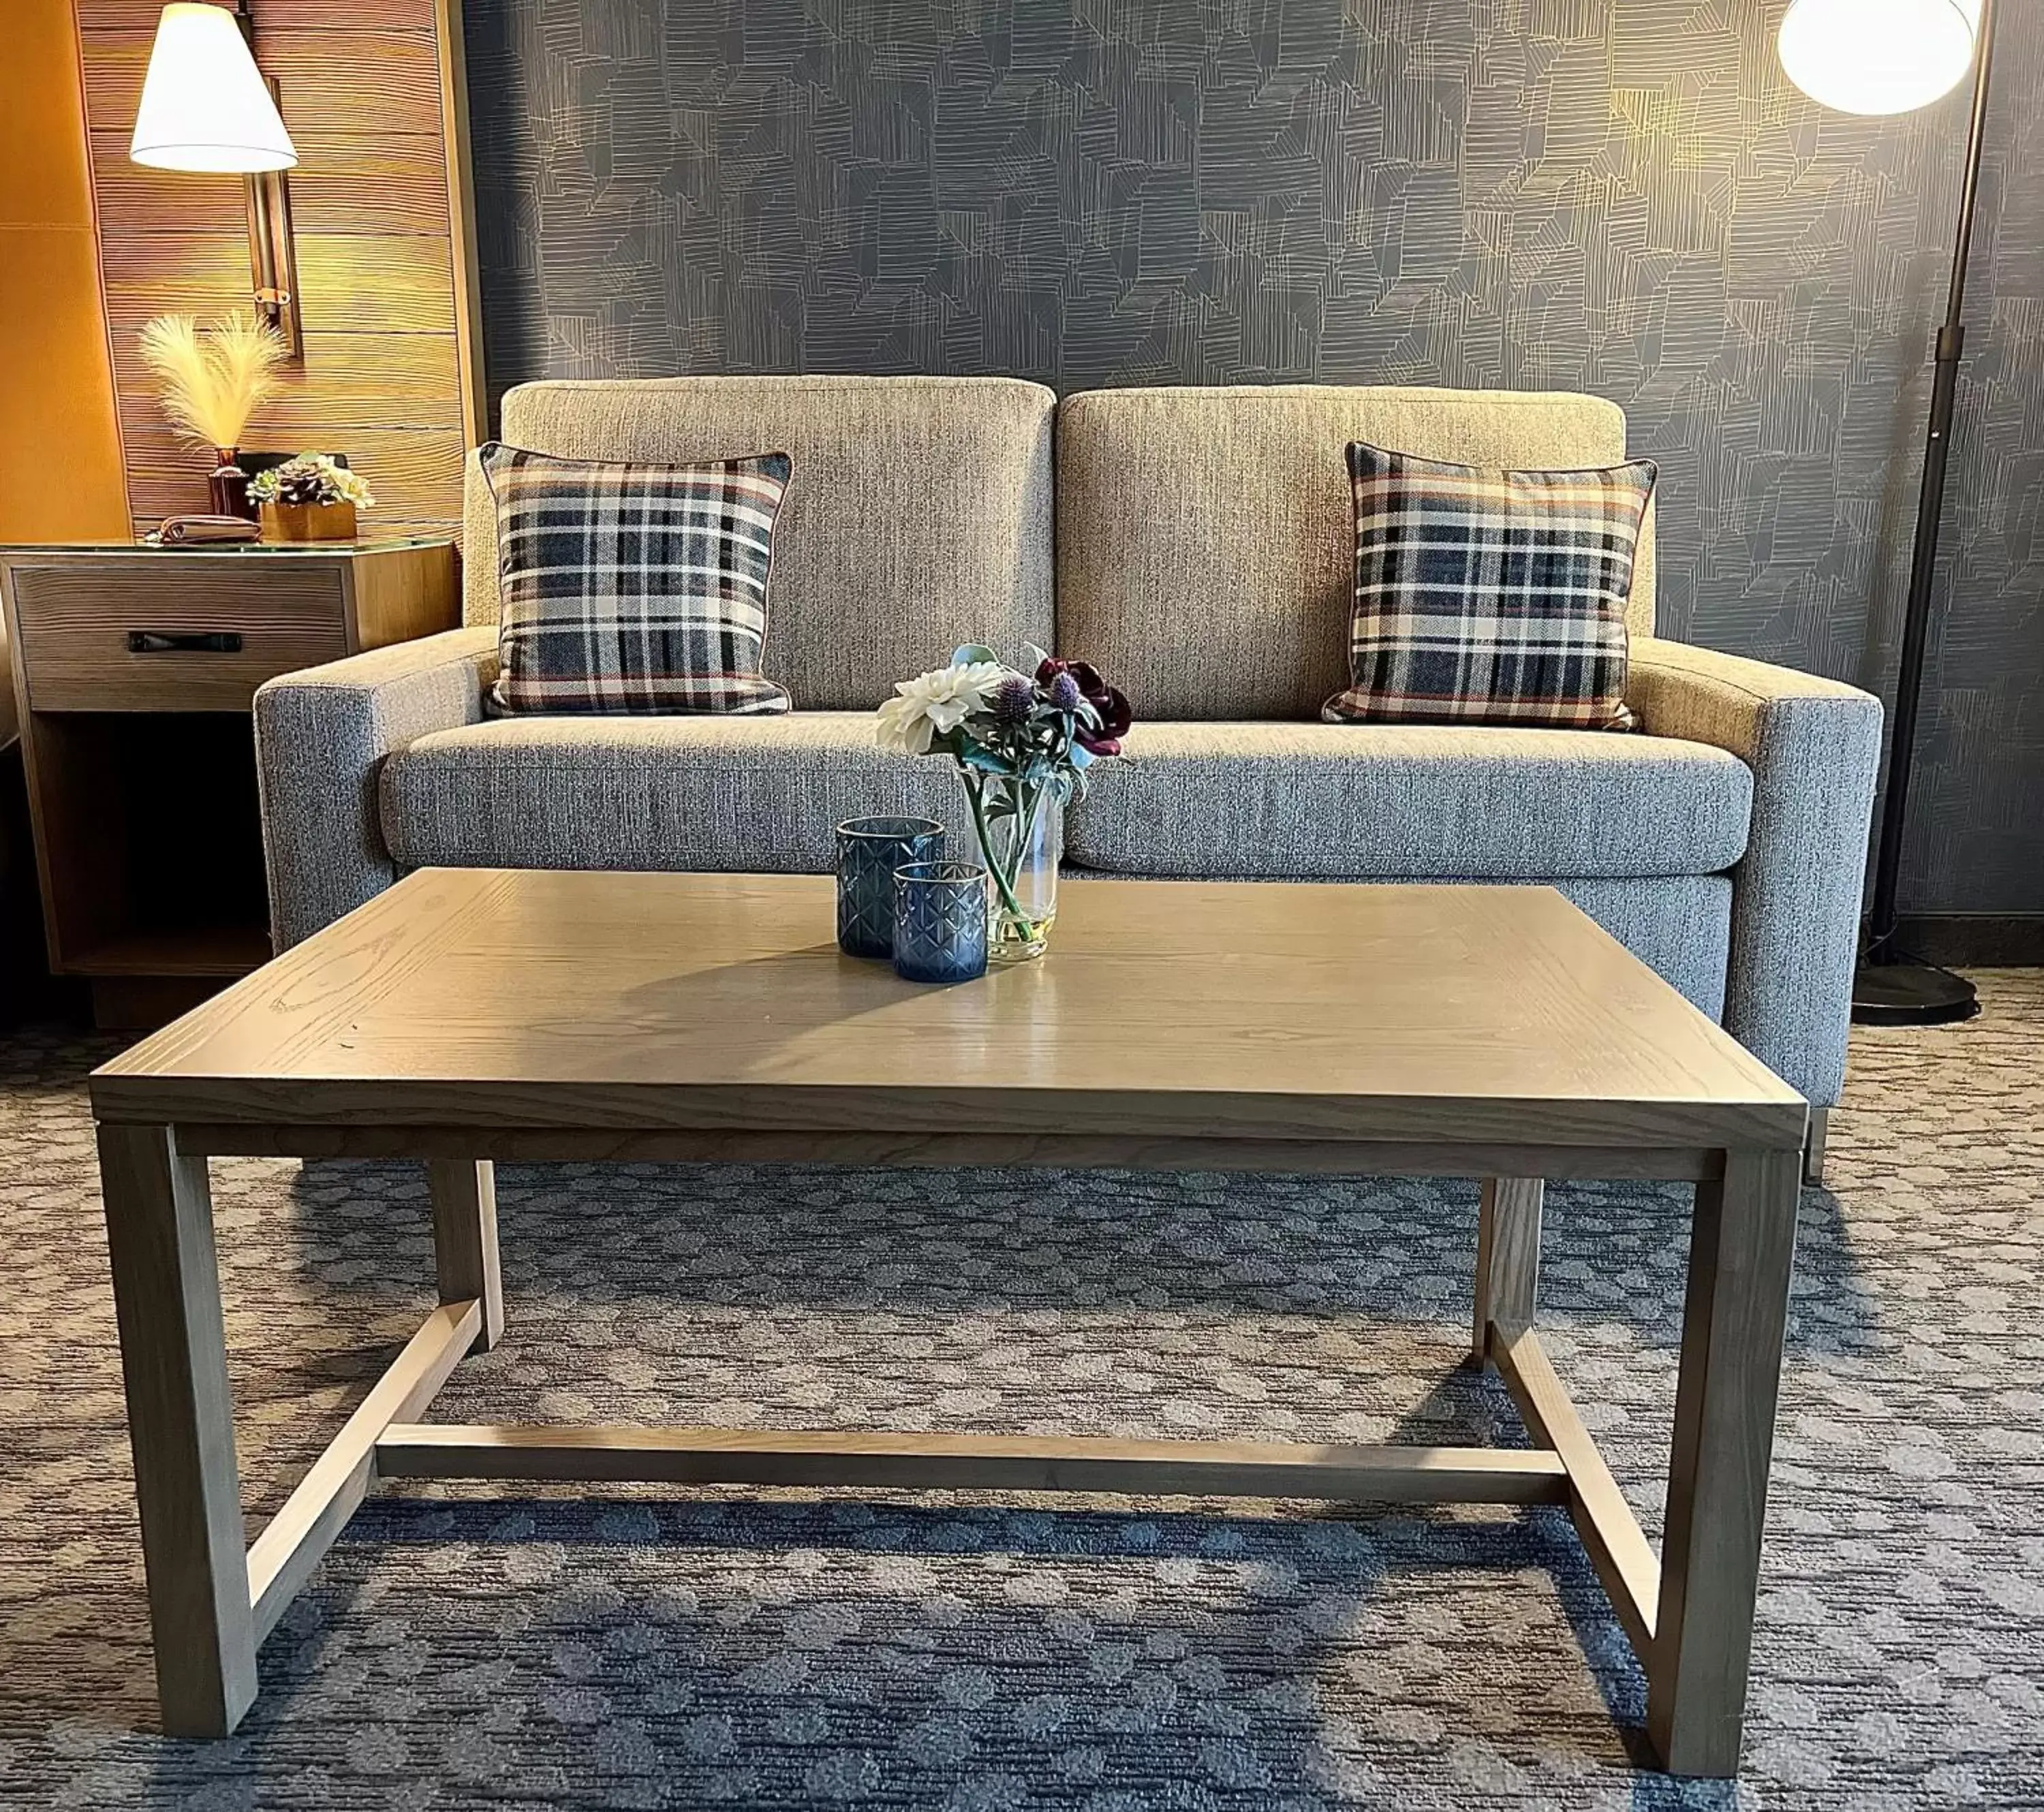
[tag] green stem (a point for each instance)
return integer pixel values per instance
(1005, 883)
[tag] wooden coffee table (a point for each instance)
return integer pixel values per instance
(472, 1015)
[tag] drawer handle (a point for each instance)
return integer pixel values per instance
(184, 642)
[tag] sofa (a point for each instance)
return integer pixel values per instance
(1197, 544)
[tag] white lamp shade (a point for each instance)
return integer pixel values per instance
(204, 103)
(1878, 56)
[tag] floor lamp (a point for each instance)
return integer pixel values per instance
(1890, 56)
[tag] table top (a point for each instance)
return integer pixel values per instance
(25, 553)
(502, 998)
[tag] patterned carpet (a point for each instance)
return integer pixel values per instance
(510, 1647)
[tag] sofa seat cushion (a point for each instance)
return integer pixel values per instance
(1410, 801)
(741, 793)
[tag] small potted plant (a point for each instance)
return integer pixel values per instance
(309, 498)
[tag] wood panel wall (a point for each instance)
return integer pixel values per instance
(370, 91)
(60, 475)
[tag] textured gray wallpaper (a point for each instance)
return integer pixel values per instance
(1620, 196)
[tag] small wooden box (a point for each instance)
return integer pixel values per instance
(134, 670)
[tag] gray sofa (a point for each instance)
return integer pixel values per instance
(1202, 558)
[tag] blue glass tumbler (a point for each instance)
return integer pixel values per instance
(940, 921)
(869, 850)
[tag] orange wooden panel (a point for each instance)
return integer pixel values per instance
(42, 151)
(377, 82)
(396, 283)
(60, 452)
(345, 15)
(60, 447)
(416, 474)
(360, 86)
(397, 182)
(347, 381)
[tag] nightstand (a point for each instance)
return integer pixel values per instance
(134, 667)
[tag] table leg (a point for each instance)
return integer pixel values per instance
(1741, 1247)
(1508, 1258)
(464, 1193)
(181, 1427)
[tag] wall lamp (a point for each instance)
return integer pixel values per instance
(205, 106)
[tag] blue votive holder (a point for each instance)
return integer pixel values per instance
(940, 921)
(869, 850)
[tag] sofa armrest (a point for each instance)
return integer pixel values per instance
(320, 738)
(1814, 746)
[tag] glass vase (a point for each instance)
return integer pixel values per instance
(1020, 831)
(227, 488)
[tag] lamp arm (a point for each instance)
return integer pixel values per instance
(1884, 915)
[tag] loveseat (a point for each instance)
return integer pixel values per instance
(1195, 543)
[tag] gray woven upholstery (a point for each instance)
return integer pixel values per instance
(1206, 537)
(320, 739)
(700, 792)
(1403, 801)
(1814, 746)
(918, 513)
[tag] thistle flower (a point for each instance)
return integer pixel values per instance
(1110, 705)
(1064, 693)
(1012, 700)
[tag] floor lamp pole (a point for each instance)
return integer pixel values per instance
(1889, 988)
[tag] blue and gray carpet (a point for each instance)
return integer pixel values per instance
(512, 1647)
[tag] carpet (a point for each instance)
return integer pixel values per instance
(512, 1646)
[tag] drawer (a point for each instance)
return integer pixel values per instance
(173, 632)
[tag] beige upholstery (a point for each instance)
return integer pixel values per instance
(1206, 537)
(918, 513)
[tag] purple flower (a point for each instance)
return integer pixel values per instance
(1012, 699)
(1064, 693)
(1112, 706)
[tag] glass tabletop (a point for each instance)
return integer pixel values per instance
(257, 550)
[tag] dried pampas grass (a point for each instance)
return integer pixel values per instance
(213, 380)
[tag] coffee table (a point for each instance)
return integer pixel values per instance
(468, 1016)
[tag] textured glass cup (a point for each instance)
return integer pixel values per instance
(869, 850)
(940, 921)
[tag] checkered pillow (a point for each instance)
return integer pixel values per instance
(633, 588)
(1487, 596)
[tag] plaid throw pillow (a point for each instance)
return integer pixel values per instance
(633, 588)
(1486, 596)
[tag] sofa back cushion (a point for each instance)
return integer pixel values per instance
(1206, 536)
(917, 514)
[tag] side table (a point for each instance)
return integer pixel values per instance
(134, 668)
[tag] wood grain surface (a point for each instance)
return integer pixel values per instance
(1181, 1010)
(880, 1460)
(180, 1426)
(75, 614)
(363, 89)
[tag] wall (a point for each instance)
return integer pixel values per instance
(360, 87)
(60, 450)
(1621, 196)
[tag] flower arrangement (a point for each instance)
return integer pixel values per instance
(308, 480)
(213, 380)
(1022, 742)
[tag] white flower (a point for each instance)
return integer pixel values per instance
(935, 702)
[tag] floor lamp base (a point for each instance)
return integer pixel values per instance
(1911, 994)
